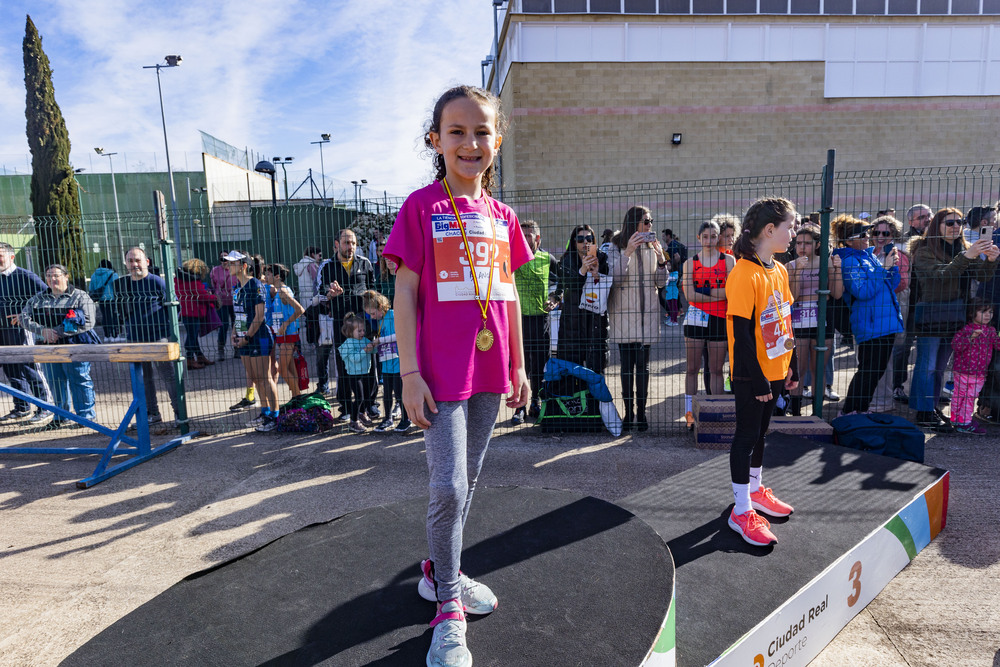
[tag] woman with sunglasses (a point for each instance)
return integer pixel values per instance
(887, 232)
(583, 335)
(943, 266)
(639, 269)
(870, 281)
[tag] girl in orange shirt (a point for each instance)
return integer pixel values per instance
(761, 350)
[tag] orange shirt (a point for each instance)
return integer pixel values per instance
(762, 296)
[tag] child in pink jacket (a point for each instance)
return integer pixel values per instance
(973, 345)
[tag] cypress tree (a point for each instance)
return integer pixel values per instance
(55, 199)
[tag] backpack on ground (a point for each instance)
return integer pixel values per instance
(305, 413)
(578, 413)
(887, 435)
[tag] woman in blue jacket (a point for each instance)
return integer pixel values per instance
(869, 288)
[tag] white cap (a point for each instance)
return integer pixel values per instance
(234, 256)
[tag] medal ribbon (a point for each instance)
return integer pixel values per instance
(468, 250)
(771, 290)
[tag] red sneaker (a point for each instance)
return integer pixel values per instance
(753, 528)
(764, 501)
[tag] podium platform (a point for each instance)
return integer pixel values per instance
(859, 519)
(581, 582)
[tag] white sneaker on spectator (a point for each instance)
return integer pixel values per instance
(41, 418)
(830, 394)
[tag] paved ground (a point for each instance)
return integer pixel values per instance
(72, 562)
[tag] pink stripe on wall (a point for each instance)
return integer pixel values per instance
(759, 109)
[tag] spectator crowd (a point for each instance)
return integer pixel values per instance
(914, 302)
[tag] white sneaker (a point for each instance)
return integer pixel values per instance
(830, 394)
(807, 392)
(448, 647)
(477, 598)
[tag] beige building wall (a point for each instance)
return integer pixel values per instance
(580, 124)
(601, 115)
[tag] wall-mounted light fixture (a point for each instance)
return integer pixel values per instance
(676, 139)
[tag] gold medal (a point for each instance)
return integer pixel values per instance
(484, 339)
(789, 343)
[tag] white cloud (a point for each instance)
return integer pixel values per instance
(268, 75)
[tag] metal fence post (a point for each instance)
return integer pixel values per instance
(172, 304)
(826, 199)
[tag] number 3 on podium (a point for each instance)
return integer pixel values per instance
(855, 578)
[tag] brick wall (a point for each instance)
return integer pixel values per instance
(579, 124)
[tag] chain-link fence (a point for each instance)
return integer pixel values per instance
(670, 358)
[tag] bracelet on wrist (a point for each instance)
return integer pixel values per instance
(409, 373)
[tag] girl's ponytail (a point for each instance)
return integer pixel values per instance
(763, 212)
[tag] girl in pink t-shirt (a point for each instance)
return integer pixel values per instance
(458, 334)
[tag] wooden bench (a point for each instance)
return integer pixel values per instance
(132, 353)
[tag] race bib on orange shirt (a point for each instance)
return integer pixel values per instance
(451, 261)
(776, 326)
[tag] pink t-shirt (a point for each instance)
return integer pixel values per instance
(426, 239)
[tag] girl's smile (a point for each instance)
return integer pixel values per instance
(468, 142)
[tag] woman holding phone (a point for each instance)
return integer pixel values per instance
(943, 266)
(638, 268)
(870, 280)
(887, 234)
(583, 335)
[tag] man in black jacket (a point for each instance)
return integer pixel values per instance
(343, 279)
(17, 285)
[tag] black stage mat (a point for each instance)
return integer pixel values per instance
(725, 586)
(580, 582)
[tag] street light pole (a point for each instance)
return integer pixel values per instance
(482, 68)
(265, 167)
(172, 61)
(114, 189)
(357, 192)
(322, 170)
(287, 160)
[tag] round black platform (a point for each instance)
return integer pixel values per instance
(580, 581)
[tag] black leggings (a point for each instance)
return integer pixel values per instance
(635, 364)
(392, 385)
(873, 359)
(356, 388)
(752, 420)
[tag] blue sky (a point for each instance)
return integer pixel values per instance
(271, 76)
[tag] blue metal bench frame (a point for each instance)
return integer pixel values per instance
(120, 443)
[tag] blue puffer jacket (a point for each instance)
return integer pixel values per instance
(870, 292)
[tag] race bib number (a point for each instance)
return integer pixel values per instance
(804, 315)
(277, 319)
(695, 317)
(776, 327)
(240, 324)
(451, 261)
(388, 351)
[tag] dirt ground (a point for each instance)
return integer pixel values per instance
(74, 561)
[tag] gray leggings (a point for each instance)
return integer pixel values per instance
(456, 445)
